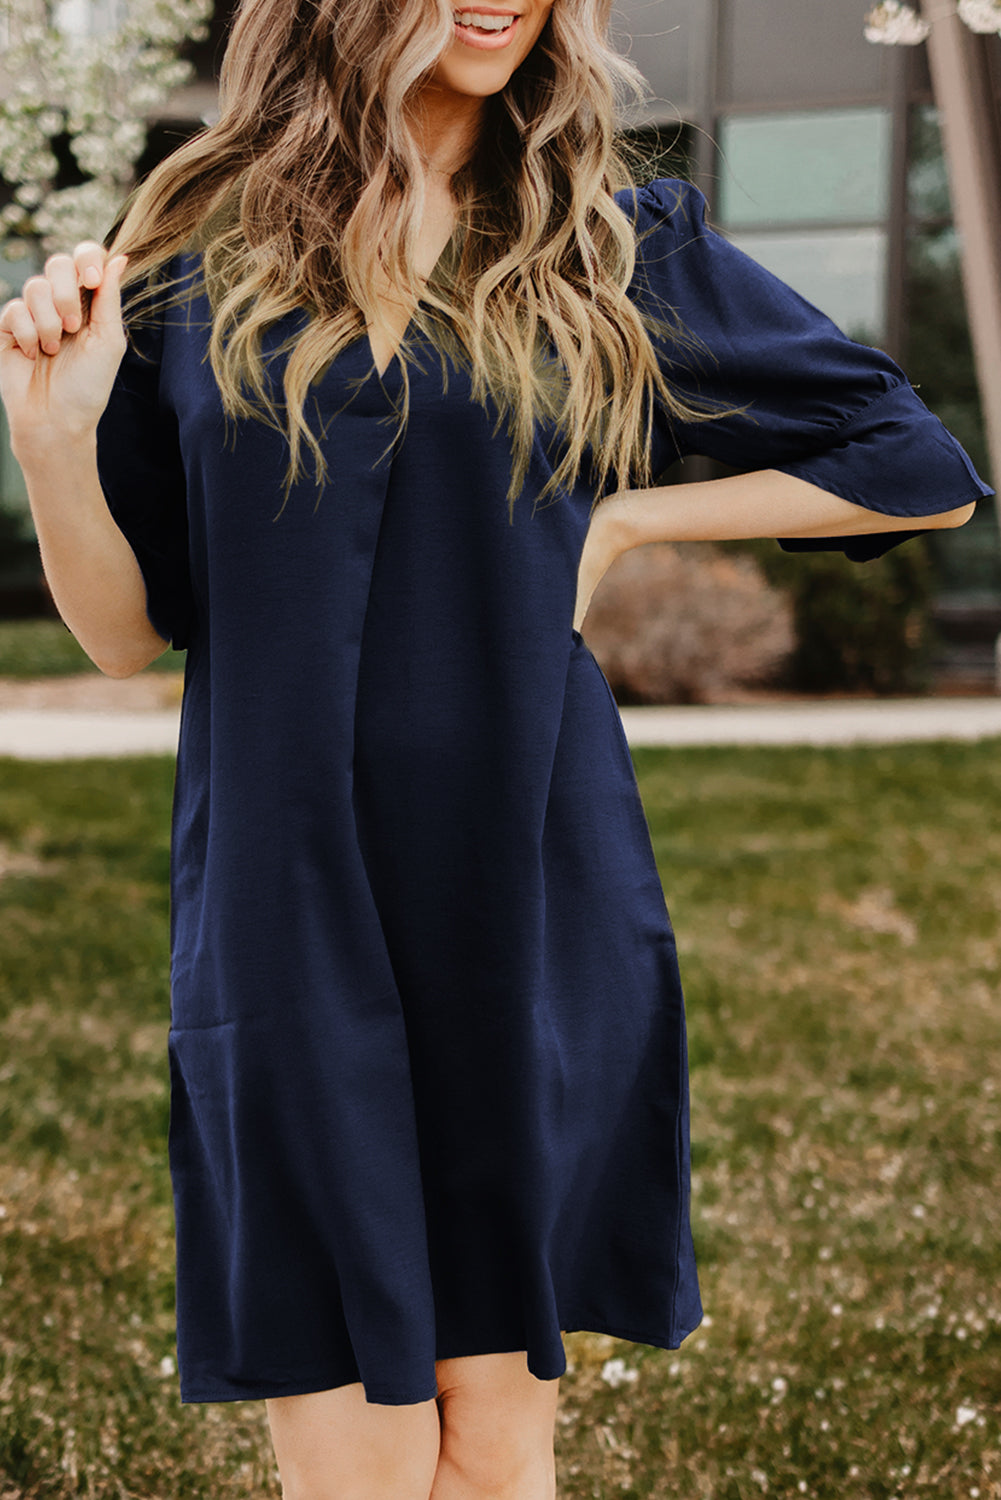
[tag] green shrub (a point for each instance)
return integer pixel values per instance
(18, 548)
(860, 627)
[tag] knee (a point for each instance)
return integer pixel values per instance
(497, 1441)
(494, 1469)
(334, 1445)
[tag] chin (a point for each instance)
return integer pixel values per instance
(478, 80)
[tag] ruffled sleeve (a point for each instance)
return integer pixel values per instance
(807, 399)
(142, 475)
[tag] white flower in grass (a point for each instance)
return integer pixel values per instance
(895, 24)
(167, 1366)
(616, 1372)
(965, 1415)
(981, 15)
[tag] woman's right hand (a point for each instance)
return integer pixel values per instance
(57, 370)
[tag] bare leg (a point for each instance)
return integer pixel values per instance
(335, 1445)
(497, 1423)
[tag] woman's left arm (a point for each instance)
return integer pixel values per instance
(765, 503)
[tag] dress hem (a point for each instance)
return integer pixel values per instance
(265, 1390)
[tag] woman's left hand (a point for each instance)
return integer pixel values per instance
(602, 546)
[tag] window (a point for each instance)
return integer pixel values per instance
(806, 192)
(659, 151)
(841, 271)
(829, 166)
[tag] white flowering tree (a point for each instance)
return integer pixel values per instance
(897, 24)
(92, 71)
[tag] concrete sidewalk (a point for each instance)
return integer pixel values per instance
(851, 721)
(61, 734)
(71, 734)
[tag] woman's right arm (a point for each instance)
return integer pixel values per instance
(56, 375)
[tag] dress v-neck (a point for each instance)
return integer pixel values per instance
(394, 356)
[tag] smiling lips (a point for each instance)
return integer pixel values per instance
(486, 28)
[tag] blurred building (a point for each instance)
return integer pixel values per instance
(821, 156)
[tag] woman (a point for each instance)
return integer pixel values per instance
(429, 1093)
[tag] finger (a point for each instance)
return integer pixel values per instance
(106, 302)
(62, 274)
(89, 258)
(37, 296)
(18, 322)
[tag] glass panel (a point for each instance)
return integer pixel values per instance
(841, 271)
(659, 37)
(787, 51)
(829, 165)
(927, 176)
(659, 152)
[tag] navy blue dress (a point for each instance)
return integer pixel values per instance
(427, 1041)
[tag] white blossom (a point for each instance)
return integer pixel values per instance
(95, 70)
(28, 195)
(981, 15)
(85, 212)
(895, 25)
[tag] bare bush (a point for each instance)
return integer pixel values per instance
(686, 623)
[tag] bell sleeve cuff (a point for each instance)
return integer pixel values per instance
(792, 392)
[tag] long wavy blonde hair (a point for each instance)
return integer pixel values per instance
(313, 162)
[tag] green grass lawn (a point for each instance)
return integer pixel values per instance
(45, 648)
(839, 922)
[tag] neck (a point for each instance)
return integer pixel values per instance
(446, 126)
